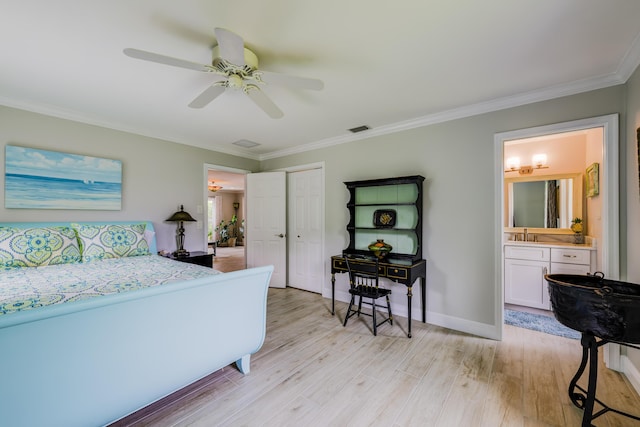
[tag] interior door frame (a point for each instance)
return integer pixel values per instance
(290, 238)
(299, 168)
(205, 193)
(296, 168)
(610, 244)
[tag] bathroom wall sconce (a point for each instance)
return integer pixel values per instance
(539, 161)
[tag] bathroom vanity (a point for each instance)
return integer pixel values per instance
(526, 263)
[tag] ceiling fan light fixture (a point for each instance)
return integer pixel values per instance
(239, 65)
(235, 81)
(250, 58)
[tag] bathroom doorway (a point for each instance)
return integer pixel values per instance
(603, 211)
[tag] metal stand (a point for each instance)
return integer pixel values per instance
(587, 399)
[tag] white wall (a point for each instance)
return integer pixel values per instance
(631, 235)
(457, 159)
(157, 175)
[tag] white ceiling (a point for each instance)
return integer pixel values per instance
(389, 65)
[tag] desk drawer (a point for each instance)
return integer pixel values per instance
(397, 273)
(339, 264)
(570, 256)
(362, 267)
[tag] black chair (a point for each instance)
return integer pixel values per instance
(363, 283)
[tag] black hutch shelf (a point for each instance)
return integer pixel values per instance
(388, 209)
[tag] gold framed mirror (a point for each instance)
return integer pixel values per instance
(544, 203)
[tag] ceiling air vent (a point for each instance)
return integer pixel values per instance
(245, 143)
(359, 129)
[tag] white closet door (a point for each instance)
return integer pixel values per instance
(266, 224)
(305, 230)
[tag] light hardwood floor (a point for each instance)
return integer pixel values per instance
(229, 259)
(312, 371)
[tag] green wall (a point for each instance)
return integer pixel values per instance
(157, 175)
(457, 159)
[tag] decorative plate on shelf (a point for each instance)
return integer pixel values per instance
(384, 218)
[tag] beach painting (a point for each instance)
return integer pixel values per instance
(41, 179)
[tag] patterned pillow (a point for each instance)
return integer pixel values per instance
(34, 247)
(99, 242)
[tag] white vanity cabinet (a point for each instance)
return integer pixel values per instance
(524, 270)
(525, 266)
(572, 261)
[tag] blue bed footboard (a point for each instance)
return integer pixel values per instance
(92, 363)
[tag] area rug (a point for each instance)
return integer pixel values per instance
(540, 323)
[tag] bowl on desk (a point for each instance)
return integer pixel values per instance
(380, 249)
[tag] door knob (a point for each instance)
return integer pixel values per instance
(279, 235)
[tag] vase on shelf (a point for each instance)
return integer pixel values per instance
(380, 249)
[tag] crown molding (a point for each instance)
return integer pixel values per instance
(75, 116)
(627, 66)
(631, 60)
(498, 104)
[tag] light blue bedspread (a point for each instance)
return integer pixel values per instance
(28, 288)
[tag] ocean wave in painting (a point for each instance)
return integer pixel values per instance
(31, 192)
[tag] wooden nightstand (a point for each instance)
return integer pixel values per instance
(201, 258)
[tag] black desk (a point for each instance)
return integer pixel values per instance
(398, 271)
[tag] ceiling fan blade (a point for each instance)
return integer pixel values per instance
(231, 46)
(166, 60)
(209, 94)
(263, 101)
(290, 81)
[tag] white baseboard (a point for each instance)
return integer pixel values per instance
(449, 322)
(464, 325)
(632, 373)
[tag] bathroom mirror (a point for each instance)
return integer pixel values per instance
(543, 202)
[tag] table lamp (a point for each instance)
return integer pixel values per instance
(180, 217)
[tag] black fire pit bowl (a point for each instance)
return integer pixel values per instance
(607, 309)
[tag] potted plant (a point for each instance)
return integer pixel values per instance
(233, 232)
(223, 232)
(577, 228)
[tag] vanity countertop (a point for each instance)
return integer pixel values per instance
(551, 244)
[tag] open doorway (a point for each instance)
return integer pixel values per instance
(601, 210)
(226, 217)
(543, 198)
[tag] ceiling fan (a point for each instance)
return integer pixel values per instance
(239, 65)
